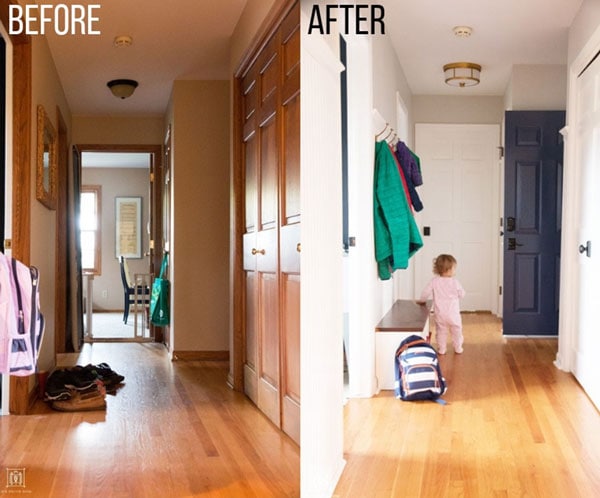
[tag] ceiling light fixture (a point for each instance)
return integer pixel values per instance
(463, 31)
(123, 41)
(122, 88)
(462, 74)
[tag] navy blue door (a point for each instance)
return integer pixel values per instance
(532, 221)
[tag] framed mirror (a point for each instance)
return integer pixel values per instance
(47, 148)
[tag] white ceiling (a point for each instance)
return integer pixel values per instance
(505, 32)
(189, 39)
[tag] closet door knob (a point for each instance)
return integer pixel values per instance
(298, 247)
(258, 251)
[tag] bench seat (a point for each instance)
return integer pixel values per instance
(405, 318)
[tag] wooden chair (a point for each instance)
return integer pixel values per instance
(129, 291)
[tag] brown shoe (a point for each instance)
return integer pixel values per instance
(82, 402)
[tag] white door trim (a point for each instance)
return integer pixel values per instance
(569, 281)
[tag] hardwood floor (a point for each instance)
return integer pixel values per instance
(514, 425)
(172, 430)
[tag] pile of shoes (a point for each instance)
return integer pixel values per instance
(81, 388)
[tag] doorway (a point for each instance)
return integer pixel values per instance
(460, 195)
(119, 229)
(532, 222)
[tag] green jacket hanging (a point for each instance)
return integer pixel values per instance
(397, 235)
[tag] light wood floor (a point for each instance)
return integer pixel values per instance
(173, 430)
(514, 426)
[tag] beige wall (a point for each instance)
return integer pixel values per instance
(200, 223)
(250, 22)
(47, 91)
(117, 182)
(118, 130)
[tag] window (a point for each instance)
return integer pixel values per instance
(90, 228)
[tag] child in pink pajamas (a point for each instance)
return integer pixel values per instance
(446, 292)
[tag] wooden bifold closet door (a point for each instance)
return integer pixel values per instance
(270, 98)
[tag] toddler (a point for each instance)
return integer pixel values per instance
(445, 291)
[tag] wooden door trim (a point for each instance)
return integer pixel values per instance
(237, 293)
(62, 237)
(19, 400)
(21, 220)
(150, 148)
(158, 165)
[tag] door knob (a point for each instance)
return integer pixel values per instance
(510, 224)
(257, 251)
(513, 244)
(587, 249)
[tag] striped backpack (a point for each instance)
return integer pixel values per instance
(21, 322)
(418, 373)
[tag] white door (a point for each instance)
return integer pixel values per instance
(587, 343)
(461, 211)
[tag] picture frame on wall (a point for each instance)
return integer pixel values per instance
(128, 227)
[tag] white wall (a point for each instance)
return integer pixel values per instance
(583, 27)
(389, 85)
(364, 294)
(375, 81)
(321, 417)
(537, 87)
(389, 80)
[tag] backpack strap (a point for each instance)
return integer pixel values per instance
(20, 317)
(410, 345)
(163, 266)
(36, 316)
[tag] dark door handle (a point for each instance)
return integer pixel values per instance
(513, 244)
(587, 249)
(510, 224)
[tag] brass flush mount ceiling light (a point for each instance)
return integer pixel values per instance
(122, 88)
(462, 74)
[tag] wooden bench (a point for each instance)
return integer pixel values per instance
(405, 318)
